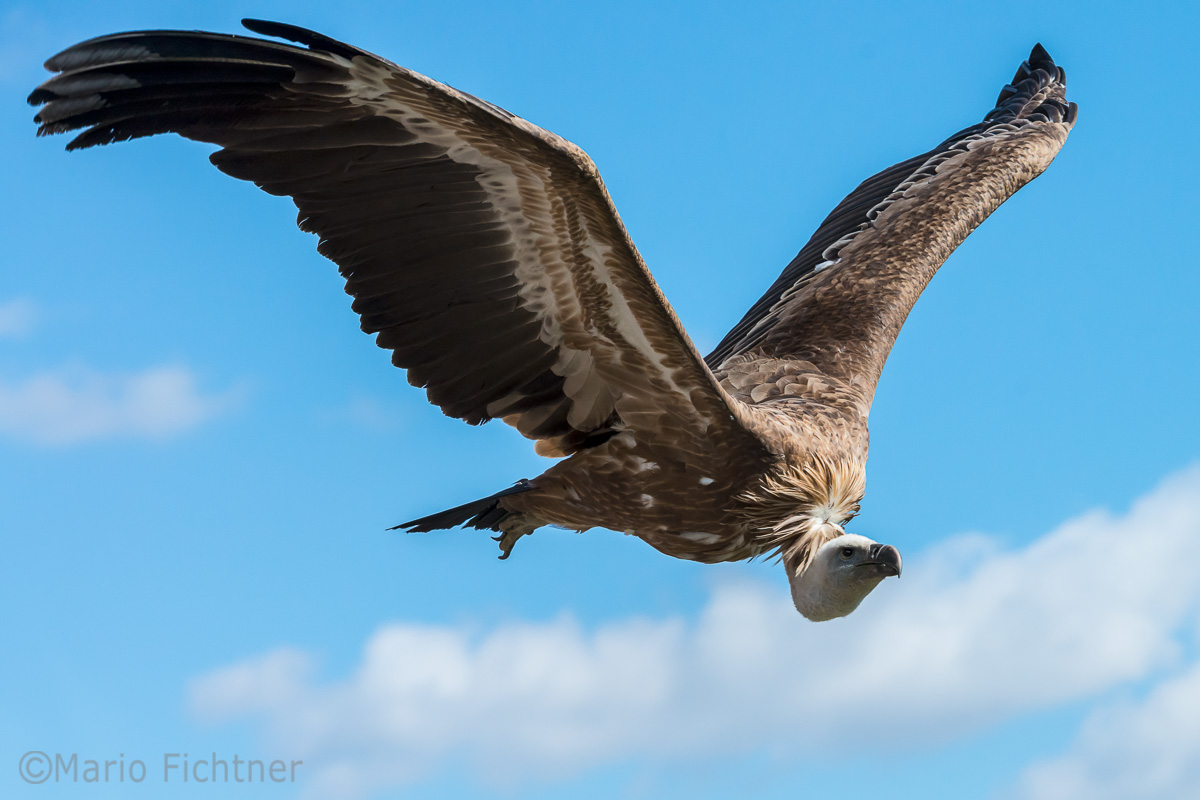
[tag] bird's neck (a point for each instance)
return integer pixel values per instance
(801, 504)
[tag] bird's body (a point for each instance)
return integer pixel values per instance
(487, 255)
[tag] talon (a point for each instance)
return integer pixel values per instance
(508, 541)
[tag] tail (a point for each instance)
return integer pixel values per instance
(484, 514)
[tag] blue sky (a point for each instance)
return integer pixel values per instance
(200, 452)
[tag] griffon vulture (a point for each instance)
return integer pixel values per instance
(486, 254)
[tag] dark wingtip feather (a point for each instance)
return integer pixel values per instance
(294, 33)
(1037, 77)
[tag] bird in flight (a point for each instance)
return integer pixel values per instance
(486, 254)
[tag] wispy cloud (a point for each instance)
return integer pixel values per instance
(17, 318)
(972, 635)
(73, 405)
(1130, 751)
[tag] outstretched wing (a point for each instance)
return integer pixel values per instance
(838, 307)
(483, 251)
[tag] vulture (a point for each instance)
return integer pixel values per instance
(485, 253)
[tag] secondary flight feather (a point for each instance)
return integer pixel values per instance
(486, 254)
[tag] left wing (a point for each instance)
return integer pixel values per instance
(483, 250)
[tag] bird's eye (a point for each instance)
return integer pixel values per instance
(847, 553)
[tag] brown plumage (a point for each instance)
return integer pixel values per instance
(487, 256)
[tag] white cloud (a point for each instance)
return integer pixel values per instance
(971, 635)
(1130, 751)
(75, 404)
(17, 318)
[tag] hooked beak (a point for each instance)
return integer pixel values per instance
(887, 559)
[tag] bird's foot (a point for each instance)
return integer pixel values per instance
(509, 535)
(507, 540)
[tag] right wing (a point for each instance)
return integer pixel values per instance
(838, 306)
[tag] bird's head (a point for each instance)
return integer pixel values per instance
(844, 570)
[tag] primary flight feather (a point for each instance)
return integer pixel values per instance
(488, 257)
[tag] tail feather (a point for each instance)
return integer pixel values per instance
(483, 514)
